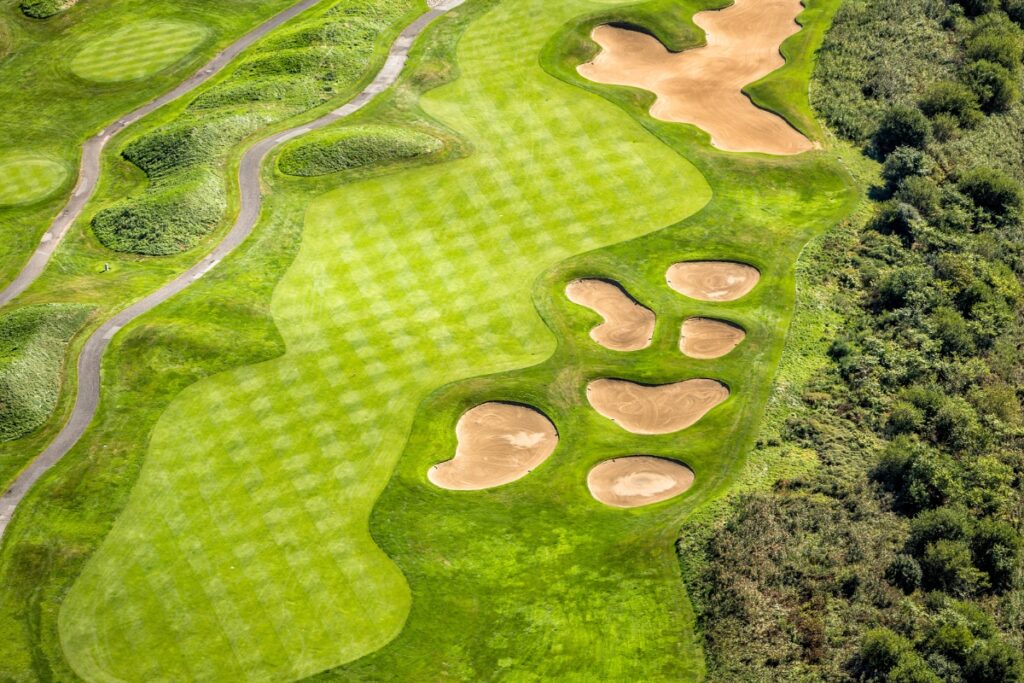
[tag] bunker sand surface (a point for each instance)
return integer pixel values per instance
(498, 443)
(663, 409)
(627, 325)
(705, 338)
(704, 86)
(638, 480)
(712, 280)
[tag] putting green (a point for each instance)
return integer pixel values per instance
(244, 552)
(137, 50)
(26, 178)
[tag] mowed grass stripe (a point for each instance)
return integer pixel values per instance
(403, 283)
(136, 50)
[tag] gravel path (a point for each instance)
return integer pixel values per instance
(90, 359)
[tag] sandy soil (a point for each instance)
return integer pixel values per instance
(663, 409)
(627, 325)
(498, 443)
(712, 280)
(703, 86)
(638, 480)
(707, 338)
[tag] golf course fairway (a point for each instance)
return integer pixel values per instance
(283, 524)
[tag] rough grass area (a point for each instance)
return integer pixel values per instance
(43, 9)
(355, 147)
(32, 343)
(26, 178)
(137, 50)
(186, 158)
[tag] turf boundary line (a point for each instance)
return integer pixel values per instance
(91, 357)
(92, 149)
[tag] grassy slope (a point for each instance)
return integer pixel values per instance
(48, 110)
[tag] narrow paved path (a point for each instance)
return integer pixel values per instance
(92, 150)
(90, 359)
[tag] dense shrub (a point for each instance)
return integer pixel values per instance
(993, 84)
(954, 99)
(999, 47)
(901, 127)
(354, 147)
(904, 162)
(42, 9)
(994, 192)
(32, 344)
(974, 8)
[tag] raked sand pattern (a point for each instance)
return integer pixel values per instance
(378, 309)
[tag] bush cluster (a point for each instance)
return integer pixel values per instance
(184, 159)
(43, 9)
(901, 558)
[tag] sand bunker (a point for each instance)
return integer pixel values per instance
(703, 86)
(627, 325)
(638, 480)
(664, 409)
(498, 443)
(712, 280)
(707, 338)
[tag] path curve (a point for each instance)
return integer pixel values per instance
(92, 150)
(89, 361)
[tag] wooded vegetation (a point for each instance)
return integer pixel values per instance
(898, 558)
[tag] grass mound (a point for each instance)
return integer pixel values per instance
(32, 343)
(26, 179)
(185, 158)
(355, 147)
(166, 221)
(137, 50)
(42, 9)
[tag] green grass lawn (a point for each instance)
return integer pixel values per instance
(25, 178)
(135, 51)
(282, 522)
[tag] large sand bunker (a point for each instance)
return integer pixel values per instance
(663, 409)
(638, 480)
(498, 443)
(712, 280)
(703, 86)
(627, 325)
(706, 338)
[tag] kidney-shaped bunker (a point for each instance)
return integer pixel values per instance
(663, 409)
(498, 443)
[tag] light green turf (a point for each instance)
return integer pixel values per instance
(137, 50)
(255, 495)
(25, 178)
